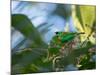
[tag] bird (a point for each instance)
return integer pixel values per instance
(65, 37)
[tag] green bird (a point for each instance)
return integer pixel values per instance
(67, 36)
(59, 40)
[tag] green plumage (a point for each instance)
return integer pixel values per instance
(60, 39)
(66, 37)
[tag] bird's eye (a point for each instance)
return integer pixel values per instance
(56, 32)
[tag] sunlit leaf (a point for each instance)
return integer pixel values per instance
(84, 20)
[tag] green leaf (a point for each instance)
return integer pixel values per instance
(27, 55)
(24, 25)
(54, 50)
(21, 60)
(71, 58)
(86, 17)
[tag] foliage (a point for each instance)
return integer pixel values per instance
(65, 47)
(22, 23)
(85, 21)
